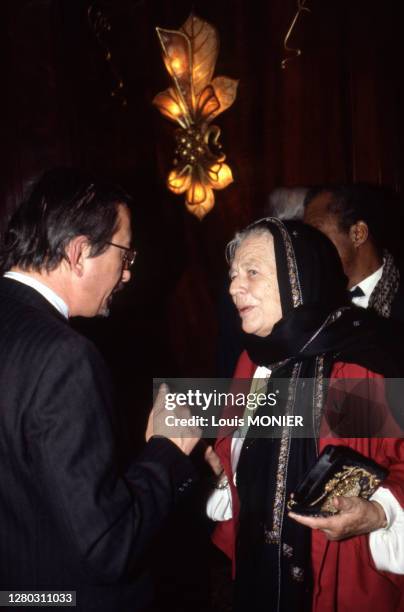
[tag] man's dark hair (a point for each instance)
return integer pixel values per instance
(63, 204)
(377, 206)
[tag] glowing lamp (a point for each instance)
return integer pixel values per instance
(194, 99)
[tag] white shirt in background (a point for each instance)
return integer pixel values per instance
(367, 285)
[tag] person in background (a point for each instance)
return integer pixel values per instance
(362, 221)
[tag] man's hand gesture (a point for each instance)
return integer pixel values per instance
(183, 435)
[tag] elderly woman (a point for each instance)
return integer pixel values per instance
(289, 289)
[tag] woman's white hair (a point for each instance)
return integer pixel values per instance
(283, 203)
(256, 229)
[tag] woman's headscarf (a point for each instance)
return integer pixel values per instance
(311, 283)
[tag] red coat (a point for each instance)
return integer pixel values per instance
(345, 577)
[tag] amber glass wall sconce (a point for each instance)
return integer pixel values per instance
(192, 101)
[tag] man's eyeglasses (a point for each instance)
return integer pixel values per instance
(129, 256)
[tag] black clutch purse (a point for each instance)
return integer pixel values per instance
(338, 471)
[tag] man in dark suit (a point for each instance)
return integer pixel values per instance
(69, 520)
(363, 222)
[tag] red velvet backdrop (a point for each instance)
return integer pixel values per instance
(334, 114)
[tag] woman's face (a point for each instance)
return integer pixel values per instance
(254, 285)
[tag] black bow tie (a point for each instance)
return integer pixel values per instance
(357, 292)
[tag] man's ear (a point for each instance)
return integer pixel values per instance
(359, 233)
(76, 253)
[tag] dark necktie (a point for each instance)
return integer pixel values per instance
(357, 292)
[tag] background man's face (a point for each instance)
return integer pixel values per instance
(317, 215)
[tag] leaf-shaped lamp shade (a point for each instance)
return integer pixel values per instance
(192, 101)
(176, 50)
(220, 175)
(172, 108)
(204, 46)
(200, 200)
(179, 182)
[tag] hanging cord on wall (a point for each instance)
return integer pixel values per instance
(300, 8)
(100, 26)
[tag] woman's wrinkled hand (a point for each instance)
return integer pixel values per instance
(356, 516)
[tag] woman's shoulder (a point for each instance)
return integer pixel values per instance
(245, 368)
(344, 369)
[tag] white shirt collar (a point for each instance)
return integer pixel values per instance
(47, 293)
(367, 285)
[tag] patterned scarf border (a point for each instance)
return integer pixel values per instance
(297, 296)
(384, 293)
(273, 536)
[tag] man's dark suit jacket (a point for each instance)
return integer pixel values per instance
(68, 520)
(397, 306)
